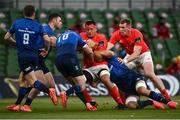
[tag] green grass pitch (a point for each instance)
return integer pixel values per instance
(44, 109)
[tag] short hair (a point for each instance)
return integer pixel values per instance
(53, 15)
(28, 11)
(126, 20)
(90, 22)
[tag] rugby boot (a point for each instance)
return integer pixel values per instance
(25, 108)
(52, 94)
(13, 107)
(63, 97)
(172, 104)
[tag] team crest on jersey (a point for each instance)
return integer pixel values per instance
(138, 40)
(101, 43)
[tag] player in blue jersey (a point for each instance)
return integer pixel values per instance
(67, 63)
(132, 84)
(26, 32)
(42, 71)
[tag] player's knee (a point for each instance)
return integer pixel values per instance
(149, 74)
(132, 105)
(141, 91)
(131, 102)
(141, 87)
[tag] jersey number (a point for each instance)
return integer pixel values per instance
(26, 38)
(65, 36)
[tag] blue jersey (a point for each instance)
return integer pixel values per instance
(68, 42)
(49, 31)
(122, 76)
(26, 34)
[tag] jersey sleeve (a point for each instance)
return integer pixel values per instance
(41, 31)
(81, 42)
(13, 28)
(139, 41)
(47, 30)
(114, 38)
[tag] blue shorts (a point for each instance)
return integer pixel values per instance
(42, 66)
(28, 64)
(68, 65)
(127, 83)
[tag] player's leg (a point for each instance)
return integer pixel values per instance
(40, 74)
(71, 68)
(34, 92)
(82, 92)
(112, 88)
(23, 90)
(141, 88)
(50, 79)
(37, 84)
(148, 68)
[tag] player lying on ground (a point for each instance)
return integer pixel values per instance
(132, 84)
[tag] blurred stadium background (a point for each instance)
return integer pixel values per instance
(143, 13)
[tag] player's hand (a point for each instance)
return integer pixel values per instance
(90, 43)
(43, 53)
(122, 61)
(97, 56)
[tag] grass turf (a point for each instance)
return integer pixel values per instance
(44, 109)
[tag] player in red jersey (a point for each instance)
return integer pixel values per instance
(98, 69)
(137, 51)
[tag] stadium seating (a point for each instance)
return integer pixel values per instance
(3, 59)
(143, 20)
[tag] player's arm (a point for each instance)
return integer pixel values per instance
(103, 54)
(113, 40)
(110, 46)
(47, 41)
(88, 51)
(134, 55)
(53, 41)
(8, 37)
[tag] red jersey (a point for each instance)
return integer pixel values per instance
(128, 43)
(101, 42)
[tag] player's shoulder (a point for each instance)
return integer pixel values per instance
(71, 33)
(44, 25)
(136, 31)
(101, 35)
(83, 34)
(19, 21)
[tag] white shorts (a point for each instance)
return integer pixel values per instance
(143, 58)
(140, 83)
(98, 71)
(131, 98)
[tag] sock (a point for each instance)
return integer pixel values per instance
(40, 86)
(21, 94)
(157, 97)
(87, 95)
(144, 103)
(73, 89)
(28, 90)
(123, 96)
(28, 101)
(165, 94)
(81, 97)
(114, 92)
